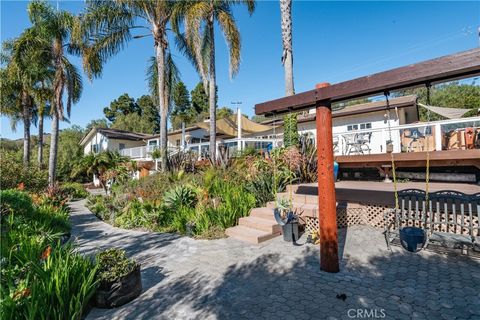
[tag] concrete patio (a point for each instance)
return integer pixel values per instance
(227, 279)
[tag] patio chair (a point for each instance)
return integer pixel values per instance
(360, 143)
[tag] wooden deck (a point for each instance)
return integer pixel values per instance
(381, 193)
(448, 158)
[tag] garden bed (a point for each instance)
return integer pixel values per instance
(41, 277)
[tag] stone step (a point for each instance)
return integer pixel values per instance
(292, 188)
(249, 235)
(301, 198)
(264, 213)
(302, 209)
(253, 222)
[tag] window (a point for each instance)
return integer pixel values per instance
(95, 148)
(177, 142)
(121, 146)
(362, 126)
(152, 143)
(352, 127)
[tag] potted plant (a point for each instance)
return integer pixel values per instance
(285, 217)
(156, 154)
(119, 279)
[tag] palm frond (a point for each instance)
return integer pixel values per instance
(74, 84)
(232, 36)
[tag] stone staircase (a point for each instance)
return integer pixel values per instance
(261, 226)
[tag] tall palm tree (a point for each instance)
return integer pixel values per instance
(199, 41)
(43, 110)
(110, 25)
(59, 29)
(26, 67)
(287, 55)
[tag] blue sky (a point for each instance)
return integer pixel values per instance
(332, 41)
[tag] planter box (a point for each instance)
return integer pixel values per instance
(119, 292)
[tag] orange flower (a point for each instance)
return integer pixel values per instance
(22, 293)
(21, 186)
(46, 253)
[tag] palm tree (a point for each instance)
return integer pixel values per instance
(109, 24)
(98, 165)
(199, 44)
(287, 55)
(59, 29)
(43, 110)
(26, 67)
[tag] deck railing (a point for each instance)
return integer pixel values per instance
(202, 149)
(432, 136)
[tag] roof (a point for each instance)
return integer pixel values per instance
(228, 125)
(115, 134)
(362, 108)
(169, 133)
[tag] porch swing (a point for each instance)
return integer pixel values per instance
(413, 237)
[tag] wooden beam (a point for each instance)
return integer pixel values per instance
(460, 65)
(327, 211)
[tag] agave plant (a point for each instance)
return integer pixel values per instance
(180, 196)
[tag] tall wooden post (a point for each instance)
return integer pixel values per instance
(327, 213)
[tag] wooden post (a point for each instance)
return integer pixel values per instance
(327, 213)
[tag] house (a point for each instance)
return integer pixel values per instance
(236, 132)
(106, 139)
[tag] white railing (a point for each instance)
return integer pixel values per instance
(134, 153)
(234, 146)
(144, 152)
(432, 136)
(202, 148)
(435, 135)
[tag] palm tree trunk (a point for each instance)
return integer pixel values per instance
(211, 94)
(26, 130)
(160, 56)
(287, 56)
(52, 161)
(40, 141)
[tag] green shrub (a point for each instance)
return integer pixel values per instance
(19, 202)
(113, 264)
(15, 174)
(74, 190)
(61, 285)
(137, 214)
(234, 202)
(180, 196)
(101, 206)
(265, 184)
(41, 279)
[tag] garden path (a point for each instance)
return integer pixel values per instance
(185, 278)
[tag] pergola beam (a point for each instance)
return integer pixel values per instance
(460, 65)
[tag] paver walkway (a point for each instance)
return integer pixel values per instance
(225, 279)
